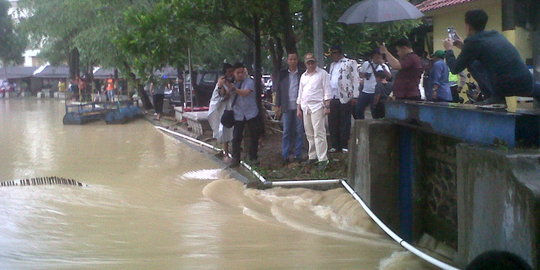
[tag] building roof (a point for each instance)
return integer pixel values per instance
(16, 72)
(52, 72)
(103, 73)
(430, 5)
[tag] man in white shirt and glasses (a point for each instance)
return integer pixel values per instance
(313, 105)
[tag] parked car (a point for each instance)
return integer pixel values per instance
(205, 82)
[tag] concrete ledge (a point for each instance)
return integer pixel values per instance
(483, 127)
(498, 202)
(373, 168)
(197, 121)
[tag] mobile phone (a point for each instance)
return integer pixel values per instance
(452, 33)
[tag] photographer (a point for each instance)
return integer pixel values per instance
(246, 113)
(410, 70)
(492, 60)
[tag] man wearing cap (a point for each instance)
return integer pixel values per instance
(344, 84)
(313, 105)
(439, 86)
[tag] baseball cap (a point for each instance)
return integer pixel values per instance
(439, 54)
(309, 57)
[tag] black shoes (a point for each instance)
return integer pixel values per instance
(321, 165)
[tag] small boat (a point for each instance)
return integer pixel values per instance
(80, 113)
(120, 112)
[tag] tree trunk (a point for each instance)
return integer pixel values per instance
(73, 62)
(276, 53)
(140, 91)
(288, 33)
(258, 69)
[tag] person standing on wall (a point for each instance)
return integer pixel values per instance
(313, 102)
(286, 96)
(438, 80)
(344, 83)
(246, 113)
(109, 87)
(409, 68)
(367, 72)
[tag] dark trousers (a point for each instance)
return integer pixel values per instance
(364, 100)
(455, 93)
(378, 110)
(158, 103)
(339, 122)
(238, 135)
(481, 76)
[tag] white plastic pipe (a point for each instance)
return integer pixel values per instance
(388, 231)
(305, 182)
(394, 236)
(192, 140)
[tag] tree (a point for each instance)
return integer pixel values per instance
(12, 43)
(356, 40)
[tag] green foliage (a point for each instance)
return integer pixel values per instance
(356, 40)
(142, 35)
(12, 43)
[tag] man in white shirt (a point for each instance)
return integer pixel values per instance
(313, 105)
(344, 84)
(367, 72)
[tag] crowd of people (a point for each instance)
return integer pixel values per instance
(307, 98)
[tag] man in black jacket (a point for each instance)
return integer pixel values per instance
(492, 60)
(286, 95)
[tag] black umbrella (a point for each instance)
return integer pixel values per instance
(378, 11)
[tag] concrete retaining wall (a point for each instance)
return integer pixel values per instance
(373, 167)
(468, 197)
(498, 202)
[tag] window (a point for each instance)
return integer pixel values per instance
(209, 78)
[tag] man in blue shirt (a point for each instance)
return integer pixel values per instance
(438, 80)
(286, 96)
(246, 112)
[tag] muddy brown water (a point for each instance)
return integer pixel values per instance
(155, 203)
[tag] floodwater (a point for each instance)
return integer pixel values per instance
(155, 203)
